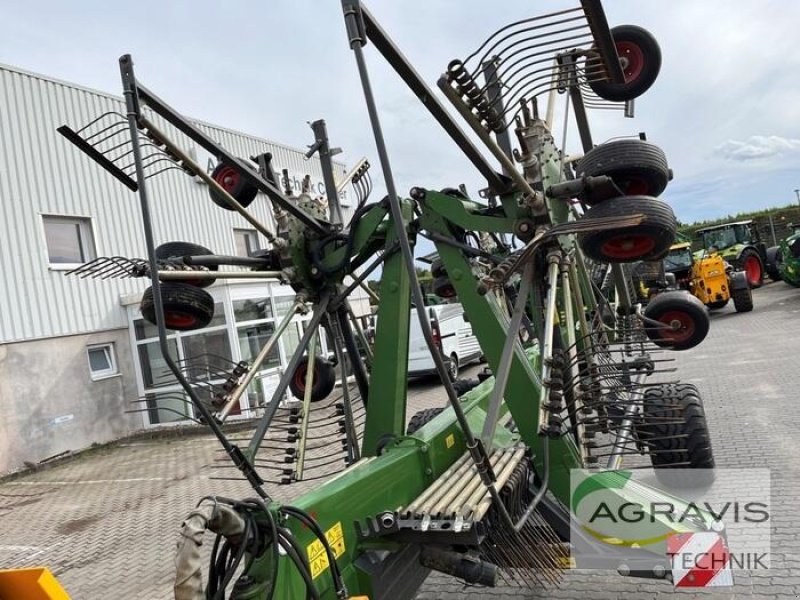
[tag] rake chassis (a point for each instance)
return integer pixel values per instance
(487, 482)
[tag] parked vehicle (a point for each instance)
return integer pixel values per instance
(788, 259)
(707, 276)
(452, 334)
(740, 245)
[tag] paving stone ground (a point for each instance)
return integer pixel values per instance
(106, 522)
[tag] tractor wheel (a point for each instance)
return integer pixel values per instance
(685, 315)
(640, 57)
(771, 266)
(177, 250)
(421, 418)
(186, 307)
(719, 304)
(323, 381)
(231, 180)
(742, 299)
(674, 429)
(637, 167)
(650, 240)
(753, 267)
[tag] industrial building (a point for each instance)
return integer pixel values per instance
(78, 364)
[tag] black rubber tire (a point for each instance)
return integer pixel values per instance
(673, 426)
(719, 304)
(322, 384)
(186, 307)
(682, 307)
(748, 254)
(771, 266)
(177, 250)
(637, 167)
(443, 287)
(742, 299)
(421, 418)
(650, 240)
(452, 367)
(237, 186)
(644, 55)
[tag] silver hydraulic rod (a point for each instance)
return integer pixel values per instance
(553, 260)
(572, 365)
(504, 366)
(320, 311)
(192, 275)
(301, 451)
(236, 393)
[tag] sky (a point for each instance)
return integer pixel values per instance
(725, 108)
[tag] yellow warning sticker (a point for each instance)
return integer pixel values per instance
(450, 440)
(317, 558)
(568, 562)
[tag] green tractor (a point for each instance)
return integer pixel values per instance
(740, 245)
(788, 257)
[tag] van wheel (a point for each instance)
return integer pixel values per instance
(452, 368)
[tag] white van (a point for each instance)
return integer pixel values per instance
(452, 334)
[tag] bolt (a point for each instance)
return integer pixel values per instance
(387, 520)
(524, 227)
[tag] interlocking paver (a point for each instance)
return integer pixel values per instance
(106, 522)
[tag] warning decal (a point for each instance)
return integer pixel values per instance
(317, 559)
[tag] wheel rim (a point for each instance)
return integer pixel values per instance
(632, 60)
(628, 246)
(752, 269)
(300, 377)
(635, 186)
(177, 319)
(453, 368)
(683, 321)
(228, 178)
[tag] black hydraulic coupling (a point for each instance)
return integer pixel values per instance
(469, 567)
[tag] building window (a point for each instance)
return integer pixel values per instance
(102, 362)
(246, 241)
(69, 240)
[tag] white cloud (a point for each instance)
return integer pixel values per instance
(758, 147)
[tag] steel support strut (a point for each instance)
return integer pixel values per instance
(133, 106)
(357, 39)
